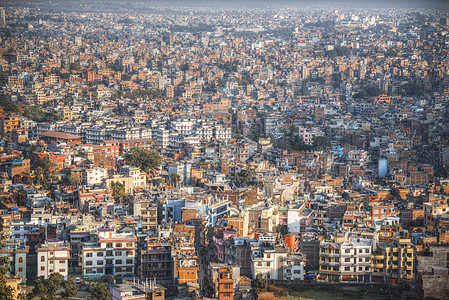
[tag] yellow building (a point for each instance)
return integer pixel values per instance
(8, 124)
(330, 262)
(398, 258)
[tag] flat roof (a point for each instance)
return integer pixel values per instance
(60, 135)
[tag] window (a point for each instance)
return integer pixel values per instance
(42, 268)
(88, 254)
(259, 264)
(20, 260)
(62, 261)
(118, 253)
(129, 261)
(348, 251)
(129, 253)
(268, 255)
(42, 258)
(88, 271)
(347, 259)
(88, 263)
(51, 262)
(347, 269)
(100, 270)
(99, 262)
(61, 270)
(20, 269)
(118, 245)
(118, 261)
(129, 244)
(100, 254)
(296, 271)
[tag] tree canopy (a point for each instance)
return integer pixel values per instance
(99, 291)
(144, 159)
(44, 172)
(46, 289)
(244, 178)
(259, 284)
(6, 292)
(118, 191)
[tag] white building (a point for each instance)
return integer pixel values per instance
(356, 260)
(139, 177)
(162, 136)
(275, 262)
(111, 254)
(184, 127)
(53, 257)
(94, 176)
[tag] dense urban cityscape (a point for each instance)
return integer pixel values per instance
(220, 151)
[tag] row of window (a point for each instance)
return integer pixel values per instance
(101, 270)
(117, 262)
(110, 253)
(51, 270)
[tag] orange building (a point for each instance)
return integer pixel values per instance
(225, 284)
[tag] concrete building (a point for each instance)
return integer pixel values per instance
(53, 257)
(156, 262)
(356, 260)
(111, 253)
(432, 273)
(17, 253)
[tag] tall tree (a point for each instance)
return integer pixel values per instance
(99, 291)
(46, 289)
(44, 172)
(118, 191)
(259, 284)
(144, 159)
(6, 292)
(70, 289)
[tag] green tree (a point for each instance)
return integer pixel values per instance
(144, 159)
(321, 143)
(259, 284)
(6, 292)
(46, 289)
(70, 289)
(244, 178)
(44, 172)
(8, 105)
(99, 291)
(282, 229)
(175, 178)
(118, 191)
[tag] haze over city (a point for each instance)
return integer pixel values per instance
(224, 149)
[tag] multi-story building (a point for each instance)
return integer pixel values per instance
(398, 258)
(225, 279)
(53, 257)
(17, 253)
(432, 273)
(111, 253)
(355, 260)
(162, 136)
(275, 262)
(156, 261)
(94, 176)
(330, 258)
(139, 177)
